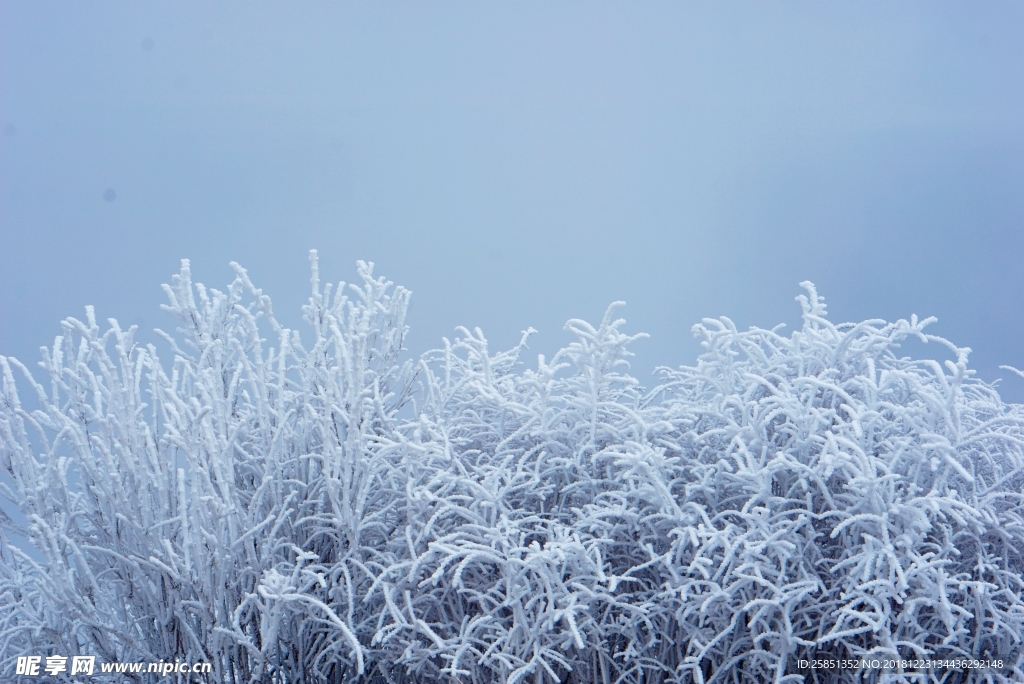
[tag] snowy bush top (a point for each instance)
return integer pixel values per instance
(323, 509)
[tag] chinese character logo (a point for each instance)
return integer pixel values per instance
(83, 665)
(28, 665)
(56, 664)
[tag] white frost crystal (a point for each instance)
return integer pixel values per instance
(333, 512)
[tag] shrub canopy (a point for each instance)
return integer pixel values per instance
(332, 511)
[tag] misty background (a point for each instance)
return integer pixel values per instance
(520, 164)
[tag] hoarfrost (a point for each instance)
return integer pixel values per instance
(333, 512)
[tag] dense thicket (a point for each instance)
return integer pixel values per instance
(329, 511)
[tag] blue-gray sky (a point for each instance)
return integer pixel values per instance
(519, 164)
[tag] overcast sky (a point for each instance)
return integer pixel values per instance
(519, 164)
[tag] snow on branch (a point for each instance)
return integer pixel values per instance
(318, 507)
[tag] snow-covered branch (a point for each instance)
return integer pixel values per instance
(333, 511)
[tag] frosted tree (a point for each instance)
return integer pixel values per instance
(187, 525)
(335, 512)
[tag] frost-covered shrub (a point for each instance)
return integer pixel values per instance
(336, 513)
